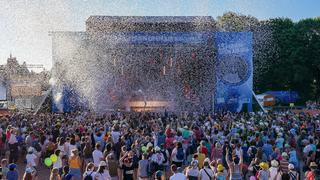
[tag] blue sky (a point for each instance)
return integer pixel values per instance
(24, 24)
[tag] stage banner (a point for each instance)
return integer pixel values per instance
(234, 71)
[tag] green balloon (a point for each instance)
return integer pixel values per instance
(144, 149)
(48, 162)
(54, 158)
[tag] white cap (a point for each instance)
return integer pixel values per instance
(291, 166)
(102, 163)
(157, 148)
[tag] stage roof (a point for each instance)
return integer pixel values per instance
(149, 23)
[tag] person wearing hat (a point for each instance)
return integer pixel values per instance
(274, 170)
(102, 172)
(29, 173)
(263, 174)
(159, 175)
(311, 174)
(220, 174)
(192, 172)
(12, 174)
(156, 160)
(284, 163)
(294, 175)
(31, 158)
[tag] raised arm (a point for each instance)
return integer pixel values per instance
(227, 156)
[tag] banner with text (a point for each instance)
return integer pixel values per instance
(234, 71)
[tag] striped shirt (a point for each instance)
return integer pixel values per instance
(284, 166)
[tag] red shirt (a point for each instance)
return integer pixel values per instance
(204, 150)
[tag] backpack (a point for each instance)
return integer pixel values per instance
(151, 168)
(165, 156)
(180, 154)
(285, 176)
(37, 147)
(88, 177)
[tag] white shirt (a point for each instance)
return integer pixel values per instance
(174, 155)
(71, 147)
(157, 158)
(115, 136)
(104, 176)
(178, 176)
(204, 175)
(31, 159)
(97, 156)
(58, 163)
(12, 139)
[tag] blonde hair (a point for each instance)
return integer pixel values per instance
(54, 174)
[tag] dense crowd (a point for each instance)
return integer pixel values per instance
(264, 146)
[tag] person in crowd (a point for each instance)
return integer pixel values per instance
(294, 175)
(206, 173)
(58, 164)
(4, 168)
(235, 168)
(29, 174)
(263, 173)
(220, 174)
(177, 173)
(312, 173)
(192, 172)
(143, 168)
(102, 172)
(55, 174)
(274, 170)
(13, 173)
(89, 173)
(31, 158)
(112, 165)
(97, 155)
(127, 165)
(65, 172)
(75, 164)
(177, 155)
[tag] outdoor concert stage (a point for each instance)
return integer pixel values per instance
(151, 64)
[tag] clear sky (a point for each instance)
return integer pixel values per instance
(24, 24)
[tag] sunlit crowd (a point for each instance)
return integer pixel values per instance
(123, 145)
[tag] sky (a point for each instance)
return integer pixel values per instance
(24, 24)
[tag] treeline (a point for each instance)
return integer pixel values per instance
(286, 53)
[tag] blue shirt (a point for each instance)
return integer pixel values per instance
(12, 175)
(267, 149)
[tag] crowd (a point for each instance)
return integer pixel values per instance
(264, 146)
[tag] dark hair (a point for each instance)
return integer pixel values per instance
(101, 169)
(66, 169)
(174, 168)
(27, 176)
(236, 160)
(73, 141)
